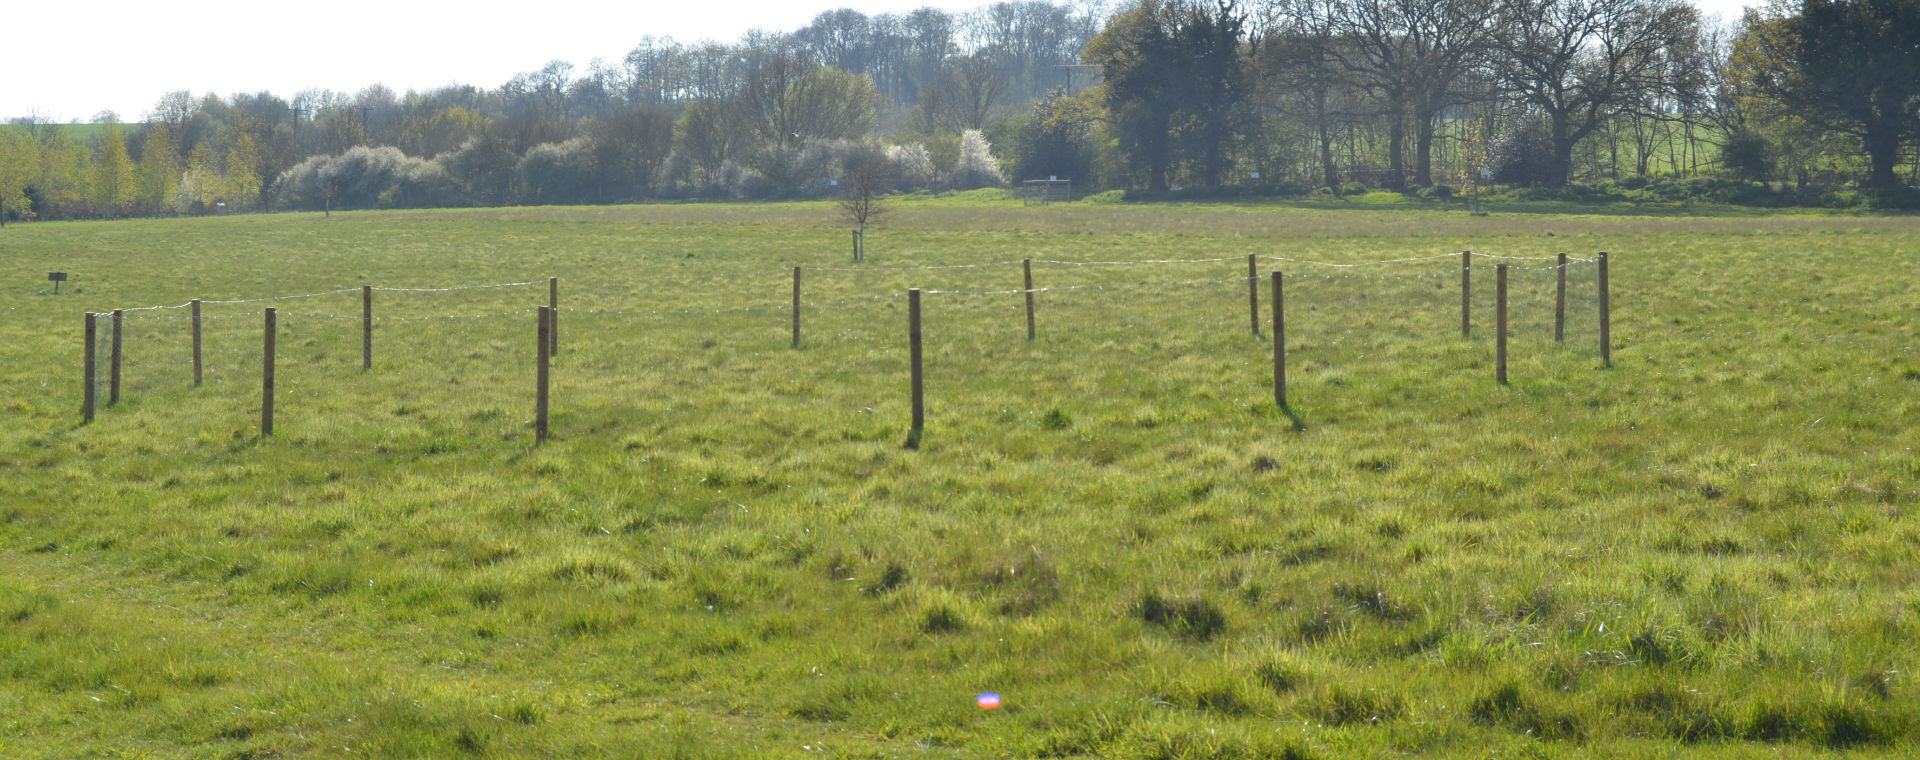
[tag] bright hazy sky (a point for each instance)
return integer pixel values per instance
(66, 61)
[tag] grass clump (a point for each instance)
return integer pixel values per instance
(1510, 706)
(1191, 618)
(1342, 704)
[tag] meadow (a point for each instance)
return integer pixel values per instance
(725, 550)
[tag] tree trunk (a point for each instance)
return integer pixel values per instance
(1562, 153)
(1327, 168)
(1613, 149)
(1215, 159)
(1159, 149)
(1423, 148)
(1396, 150)
(1883, 152)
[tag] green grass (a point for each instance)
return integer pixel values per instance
(725, 550)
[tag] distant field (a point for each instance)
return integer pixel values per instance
(80, 133)
(1707, 549)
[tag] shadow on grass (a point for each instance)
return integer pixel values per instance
(1294, 420)
(1299, 424)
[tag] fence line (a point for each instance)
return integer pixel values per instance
(913, 267)
(1062, 288)
(1133, 262)
(824, 304)
(549, 313)
(267, 299)
(931, 267)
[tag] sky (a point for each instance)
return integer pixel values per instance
(71, 61)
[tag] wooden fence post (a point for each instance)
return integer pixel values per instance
(198, 365)
(366, 327)
(113, 377)
(1606, 316)
(1560, 303)
(542, 352)
(553, 315)
(855, 237)
(1279, 343)
(266, 375)
(90, 396)
(1253, 291)
(918, 385)
(114, 358)
(1466, 294)
(1027, 266)
(796, 307)
(1500, 323)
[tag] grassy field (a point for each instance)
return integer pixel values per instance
(1707, 549)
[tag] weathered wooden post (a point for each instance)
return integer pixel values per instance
(542, 352)
(90, 395)
(266, 375)
(1500, 323)
(1027, 266)
(918, 385)
(1253, 291)
(198, 365)
(1560, 303)
(553, 315)
(796, 307)
(366, 327)
(113, 378)
(1606, 316)
(1466, 294)
(1279, 343)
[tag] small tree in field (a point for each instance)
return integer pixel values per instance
(860, 201)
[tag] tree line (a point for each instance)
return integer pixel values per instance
(1439, 94)
(1323, 96)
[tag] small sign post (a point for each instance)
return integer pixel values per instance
(57, 278)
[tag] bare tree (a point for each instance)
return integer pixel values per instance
(973, 88)
(710, 133)
(965, 96)
(629, 146)
(1579, 63)
(860, 201)
(789, 101)
(1300, 77)
(1412, 54)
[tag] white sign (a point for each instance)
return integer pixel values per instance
(1256, 175)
